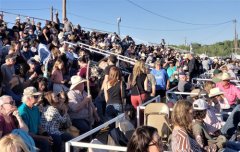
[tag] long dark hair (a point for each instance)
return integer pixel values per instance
(180, 115)
(141, 139)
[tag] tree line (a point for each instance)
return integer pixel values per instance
(224, 48)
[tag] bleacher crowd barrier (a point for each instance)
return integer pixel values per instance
(103, 52)
(76, 141)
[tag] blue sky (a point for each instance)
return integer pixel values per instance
(137, 22)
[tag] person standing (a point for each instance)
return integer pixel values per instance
(193, 68)
(162, 81)
(137, 82)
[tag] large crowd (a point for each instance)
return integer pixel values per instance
(50, 94)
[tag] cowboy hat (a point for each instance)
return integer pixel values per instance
(226, 76)
(214, 92)
(75, 80)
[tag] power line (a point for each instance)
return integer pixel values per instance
(25, 9)
(141, 28)
(172, 19)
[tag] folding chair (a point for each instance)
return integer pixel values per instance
(157, 115)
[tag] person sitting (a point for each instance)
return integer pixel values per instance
(145, 139)
(182, 132)
(183, 84)
(9, 116)
(57, 77)
(81, 109)
(206, 141)
(51, 119)
(231, 92)
(31, 116)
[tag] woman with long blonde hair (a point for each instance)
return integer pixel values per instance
(137, 81)
(57, 77)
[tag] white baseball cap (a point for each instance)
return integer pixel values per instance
(200, 104)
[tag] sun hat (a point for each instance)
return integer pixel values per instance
(31, 91)
(214, 92)
(195, 93)
(75, 80)
(226, 76)
(200, 104)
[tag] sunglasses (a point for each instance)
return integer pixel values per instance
(12, 102)
(36, 97)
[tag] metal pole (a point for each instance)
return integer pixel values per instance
(64, 11)
(118, 21)
(52, 13)
(235, 33)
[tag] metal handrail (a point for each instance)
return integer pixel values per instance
(74, 141)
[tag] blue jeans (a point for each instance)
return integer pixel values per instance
(232, 146)
(42, 144)
(112, 110)
(83, 126)
(58, 139)
(57, 142)
(232, 122)
(100, 104)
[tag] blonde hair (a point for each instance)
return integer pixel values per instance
(56, 64)
(138, 69)
(12, 143)
(55, 52)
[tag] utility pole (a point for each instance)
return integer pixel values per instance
(236, 36)
(64, 11)
(52, 13)
(118, 23)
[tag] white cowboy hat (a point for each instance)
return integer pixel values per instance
(226, 76)
(75, 80)
(214, 92)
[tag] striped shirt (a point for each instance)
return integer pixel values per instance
(181, 142)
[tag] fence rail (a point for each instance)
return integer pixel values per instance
(75, 141)
(103, 52)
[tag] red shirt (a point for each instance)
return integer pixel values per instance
(8, 126)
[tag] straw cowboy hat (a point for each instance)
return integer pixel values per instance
(195, 93)
(214, 92)
(75, 80)
(226, 76)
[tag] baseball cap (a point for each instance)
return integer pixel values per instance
(31, 91)
(200, 104)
